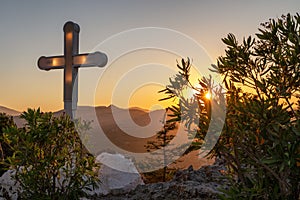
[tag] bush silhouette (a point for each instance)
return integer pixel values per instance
(261, 137)
(49, 158)
(5, 151)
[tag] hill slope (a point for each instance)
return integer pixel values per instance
(9, 111)
(128, 129)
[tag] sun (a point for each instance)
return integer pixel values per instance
(189, 93)
(208, 95)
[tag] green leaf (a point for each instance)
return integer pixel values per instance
(296, 130)
(281, 167)
(230, 40)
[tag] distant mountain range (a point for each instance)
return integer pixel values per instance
(12, 112)
(128, 129)
(139, 116)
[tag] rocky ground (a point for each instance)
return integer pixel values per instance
(203, 183)
(186, 184)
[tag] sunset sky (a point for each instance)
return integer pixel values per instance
(142, 40)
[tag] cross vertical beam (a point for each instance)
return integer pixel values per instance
(71, 47)
(70, 62)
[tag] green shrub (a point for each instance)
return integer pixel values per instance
(49, 158)
(261, 137)
(5, 151)
(162, 139)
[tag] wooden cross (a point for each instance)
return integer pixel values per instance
(70, 62)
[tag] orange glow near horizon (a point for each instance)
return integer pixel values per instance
(147, 97)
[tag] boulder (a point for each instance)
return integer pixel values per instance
(117, 173)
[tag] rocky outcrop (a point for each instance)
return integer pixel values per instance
(186, 184)
(119, 183)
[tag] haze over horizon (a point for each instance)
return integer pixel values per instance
(14, 112)
(31, 29)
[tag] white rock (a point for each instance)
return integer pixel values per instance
(117, 172)
(9, 185)
(117, 162)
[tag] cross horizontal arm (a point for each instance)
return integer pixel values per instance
(90, 59)
(52, 62)
(81, 60)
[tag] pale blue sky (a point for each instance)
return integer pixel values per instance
(30, 29)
